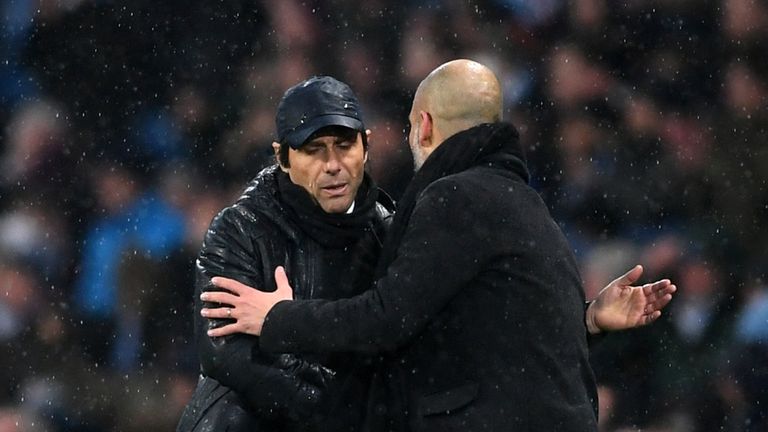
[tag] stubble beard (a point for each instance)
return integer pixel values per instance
(418, 154)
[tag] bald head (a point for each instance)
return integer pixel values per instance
(459, 94)
(454, 97)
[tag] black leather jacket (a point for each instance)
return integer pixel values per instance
(246, 241)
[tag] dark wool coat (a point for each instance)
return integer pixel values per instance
(244, 389)
(481, 306)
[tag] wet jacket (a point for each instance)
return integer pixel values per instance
(480, 306)
(243, 388)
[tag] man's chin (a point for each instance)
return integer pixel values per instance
(336, 205)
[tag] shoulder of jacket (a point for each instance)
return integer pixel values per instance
(232, 213)
(462, 190)
(476, 180)
(460, 183)
(241, 219)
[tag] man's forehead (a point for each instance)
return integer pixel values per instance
(332, 132)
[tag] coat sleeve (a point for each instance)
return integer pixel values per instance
(592, 339)
(431, 267)
(271, 384)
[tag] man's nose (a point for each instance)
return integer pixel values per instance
(333, 164)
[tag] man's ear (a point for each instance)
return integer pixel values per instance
(425, 129)
(276, 149)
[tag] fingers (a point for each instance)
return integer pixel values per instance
(659, 289)
(657, 286)
(631, 276)
(228, 284)
(657, 305)
(233, 289)
(652, 317)
(218, 297)
(666, 292)
(663, 297)
(224, 330)
(281, 279)
(662, 302)
(220, 312)
(283, 286)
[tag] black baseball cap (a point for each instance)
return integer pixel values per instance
(314, 104)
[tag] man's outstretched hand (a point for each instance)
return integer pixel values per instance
(247, 306)
(621, 306)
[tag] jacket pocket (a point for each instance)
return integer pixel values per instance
(448, 401)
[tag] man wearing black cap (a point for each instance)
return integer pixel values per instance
(319, 214)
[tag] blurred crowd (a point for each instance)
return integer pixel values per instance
(126, 125)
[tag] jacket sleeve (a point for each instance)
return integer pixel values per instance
(592, 339)
(431, 267)
(271, 384)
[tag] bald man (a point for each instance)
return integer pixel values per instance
(478, 302)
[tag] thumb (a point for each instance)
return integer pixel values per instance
(283, 286)
(631, 276)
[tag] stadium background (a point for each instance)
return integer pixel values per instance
(127, 124)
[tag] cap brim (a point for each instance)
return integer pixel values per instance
(297, 137)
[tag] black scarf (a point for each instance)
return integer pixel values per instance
(333, 230)
(493, 144)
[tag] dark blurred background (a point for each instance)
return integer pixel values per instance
(126, 125)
